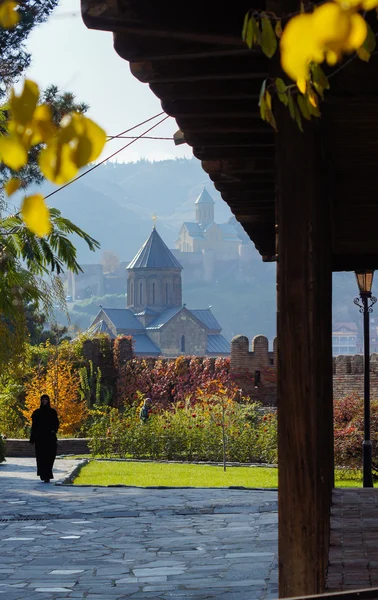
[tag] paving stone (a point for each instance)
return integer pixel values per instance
(114, 543)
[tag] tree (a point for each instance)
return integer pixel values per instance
(38, 334)
(30, 267)
(61, 383)
(316, 34)
(110, 261)
(35, 143)
(14, 58)
(61, 105)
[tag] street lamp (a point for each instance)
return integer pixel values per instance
(365, 303)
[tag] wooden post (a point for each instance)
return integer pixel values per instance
(305, 430)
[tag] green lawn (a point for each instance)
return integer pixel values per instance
(180, 475)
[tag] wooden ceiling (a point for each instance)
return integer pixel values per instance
(193, 58)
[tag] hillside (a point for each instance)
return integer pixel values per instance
(115, 204)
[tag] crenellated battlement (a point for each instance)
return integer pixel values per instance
(353, 364)
(255, 370)
(348, 375)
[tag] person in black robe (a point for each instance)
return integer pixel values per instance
(45, 425)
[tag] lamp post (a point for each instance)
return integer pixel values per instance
(365, 303)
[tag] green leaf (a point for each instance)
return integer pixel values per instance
(303, 107)
(370, 40)
(262, 92)
(278, 29)
(319, 80)
(269, 118)
(290, 103)
(314, 110)
(268, 40)
(297, 117)
(250, 30)
(245, 26)
(363, 54)
(282, 91)
(263, 108)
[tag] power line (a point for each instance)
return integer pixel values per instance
(145, 137)
(111, 155)
(119, 135)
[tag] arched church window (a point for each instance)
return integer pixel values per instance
(132, 293)
(153, 293)
(183, 343)
(141, 293)
(166, 292)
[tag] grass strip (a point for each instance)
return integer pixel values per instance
(146, 474)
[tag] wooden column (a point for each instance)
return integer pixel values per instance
(305, 438)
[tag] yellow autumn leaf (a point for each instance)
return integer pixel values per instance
(56, 163)
(358, 33)
(82, 152)
(71, 127)
(9, 16)
(302, 84)
(298, 47)
(36, 215)
(327, 33)
(12, 186)
(42, 126)
(23, 106)
(12, 152)
(358, 4)
(97, 137)
(369, 4)
(312, 98)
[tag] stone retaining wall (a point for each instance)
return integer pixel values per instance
(66, 446)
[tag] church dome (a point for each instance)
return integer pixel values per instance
(154, 254)
(204, 198)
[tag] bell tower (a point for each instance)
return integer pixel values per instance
(204, 208)
(154, 277)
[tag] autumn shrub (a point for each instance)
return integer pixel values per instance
(62, 384)
(2, 449)
(188, 430)
(349, 431)
(12, 421)
(170, 380)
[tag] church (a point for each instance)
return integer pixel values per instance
(204, 235)
(155, 315)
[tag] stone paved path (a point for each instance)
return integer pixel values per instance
(109, 543)
(353, 553)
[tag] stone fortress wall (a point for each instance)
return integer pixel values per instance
(348, 375)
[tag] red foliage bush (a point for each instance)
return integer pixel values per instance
(172, 380)
(349, 431)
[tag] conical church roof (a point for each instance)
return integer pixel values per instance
(204, 198)
(154, 254)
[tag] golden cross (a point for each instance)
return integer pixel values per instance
(154, 219)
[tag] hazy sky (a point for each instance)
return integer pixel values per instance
(82, 61)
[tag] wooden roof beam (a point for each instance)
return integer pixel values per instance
(179, 91)
(167, 19)
(221, 109)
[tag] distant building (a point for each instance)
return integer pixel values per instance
(155, 316)
(345, 339)
(92, 281)
(209, 250)
(87, 283)
(204, 234)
